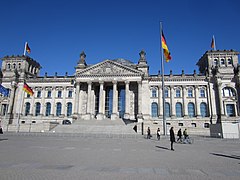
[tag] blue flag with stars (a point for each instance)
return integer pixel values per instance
(4, 91)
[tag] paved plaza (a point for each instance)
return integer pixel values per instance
(66, 157)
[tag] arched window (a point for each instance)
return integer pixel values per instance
(38, 109)
(178, 93)
(190, 92)
(228, 92)
(202, 92)
(167, 110)
(59, 109)
(179, 109)
(166, 92)
(8, 66)
(215, 62)
(191, 109)
(14, 66)
(154, 109)
(154, 92)
(69, 109)
(203, 109)
(48, 109)
(27, 108)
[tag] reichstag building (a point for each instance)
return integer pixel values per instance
(115, 90)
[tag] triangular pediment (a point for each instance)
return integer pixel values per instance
(109, 68)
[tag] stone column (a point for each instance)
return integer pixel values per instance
(127, 101)
(184, 95)
(100, 115)
(221, 107)
(160, 104)
(89, 93)
(43, 109)
(64, 104)
(53, 109)
(197, 108)
(76, 104)
(140, 116)
(11, 101)
(173, 106)
(114, 114)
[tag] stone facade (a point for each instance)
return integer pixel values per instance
(119, 89)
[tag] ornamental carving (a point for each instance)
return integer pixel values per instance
(109, 68)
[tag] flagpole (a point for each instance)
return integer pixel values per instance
(25, 47)
(215, 47)
(163, 85)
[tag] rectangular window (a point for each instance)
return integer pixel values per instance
(69, 94)
(49, 94)
(38, 94)
(59, 94)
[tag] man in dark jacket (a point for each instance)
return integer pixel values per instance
(172, 138)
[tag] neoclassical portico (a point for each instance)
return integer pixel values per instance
(108, 90)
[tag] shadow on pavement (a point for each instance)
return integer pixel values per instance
(4, 139)
(160, 147)
(227, 156)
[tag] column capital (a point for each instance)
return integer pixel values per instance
(114, 82)
(127, 82)
(101, 82)
(89, 82)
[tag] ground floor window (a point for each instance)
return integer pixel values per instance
(154, 109)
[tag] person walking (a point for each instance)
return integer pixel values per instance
(149, 133)
(158, 134)
(185, 134)
(179, 134)
(172, 138)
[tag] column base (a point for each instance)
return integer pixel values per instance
(100, 116)
(114, 116)
(126, 116)
(140, 118)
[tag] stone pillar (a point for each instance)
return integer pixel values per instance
(11, 101)
(127, 101)
(173, 106)
(197, 108)
(43, 109)
(64, 104)
(76, 104)
(184, 95)
(89, 93)
(221, 110)
(114, 114)
(53, 109)
(140, 116)
(160, 104)
(100, 115)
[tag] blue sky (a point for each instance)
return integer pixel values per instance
(58, 31)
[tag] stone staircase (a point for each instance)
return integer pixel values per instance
(93, 126)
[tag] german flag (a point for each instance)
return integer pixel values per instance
(28, 48)
(165, 49)
(27, 89)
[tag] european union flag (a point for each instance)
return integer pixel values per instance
(4, 91)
